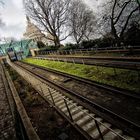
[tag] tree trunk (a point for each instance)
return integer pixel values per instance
(57, 42)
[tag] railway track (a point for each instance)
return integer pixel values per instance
(106, 132)
(116, 62)
(102, 97)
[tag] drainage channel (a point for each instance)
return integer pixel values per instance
(90, 125)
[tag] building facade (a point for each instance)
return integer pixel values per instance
(34, 33)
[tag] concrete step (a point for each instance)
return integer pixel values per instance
(58, 98)
(48, 93)
(91, 125)
(71, 106)
(64, 105)
(111, 136)
(95, 133)
(85, 120)
(52, 90)
(79, 115)
(56, 93)
(76, 110)
(45, 89)
(54, 97)
(59, 102)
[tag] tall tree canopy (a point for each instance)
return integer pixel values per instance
(62, 18)
(118, 15)
(81, 21)
(51, 15)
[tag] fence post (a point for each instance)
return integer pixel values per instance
(87, 51)
(81, 51)
(73, 61)
(52, 59)
(57, 59)
(83, 61)
(68, 110)
(65, 60)
(51, 96)
(97, 125)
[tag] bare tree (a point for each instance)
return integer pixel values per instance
(51, 15)
(119, 15)
(81, 21)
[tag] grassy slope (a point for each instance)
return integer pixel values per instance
(127, 79)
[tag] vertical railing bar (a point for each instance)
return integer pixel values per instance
(97, 125)
(51, 96)
(68, 110)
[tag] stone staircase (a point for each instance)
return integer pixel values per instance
(83, 118)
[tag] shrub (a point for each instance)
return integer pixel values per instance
(69, 46)
(40, 44)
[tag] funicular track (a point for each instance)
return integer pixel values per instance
(115, 62)
(88, 123)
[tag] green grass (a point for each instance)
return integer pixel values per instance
(127, 79)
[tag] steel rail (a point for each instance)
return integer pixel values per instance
(127, 59)
(89, 61)
(111, 88)
(68, 101)
(83, 98)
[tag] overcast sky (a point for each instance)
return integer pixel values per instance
(13, 21)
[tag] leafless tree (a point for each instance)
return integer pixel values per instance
(119, 15)
(51, 15)
(81, 21)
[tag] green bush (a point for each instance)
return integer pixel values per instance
(88, 44)
(40, 44)
(69, 46)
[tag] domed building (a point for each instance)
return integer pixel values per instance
(34, 33)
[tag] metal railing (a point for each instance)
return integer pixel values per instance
(86, 51)
(97, 123)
